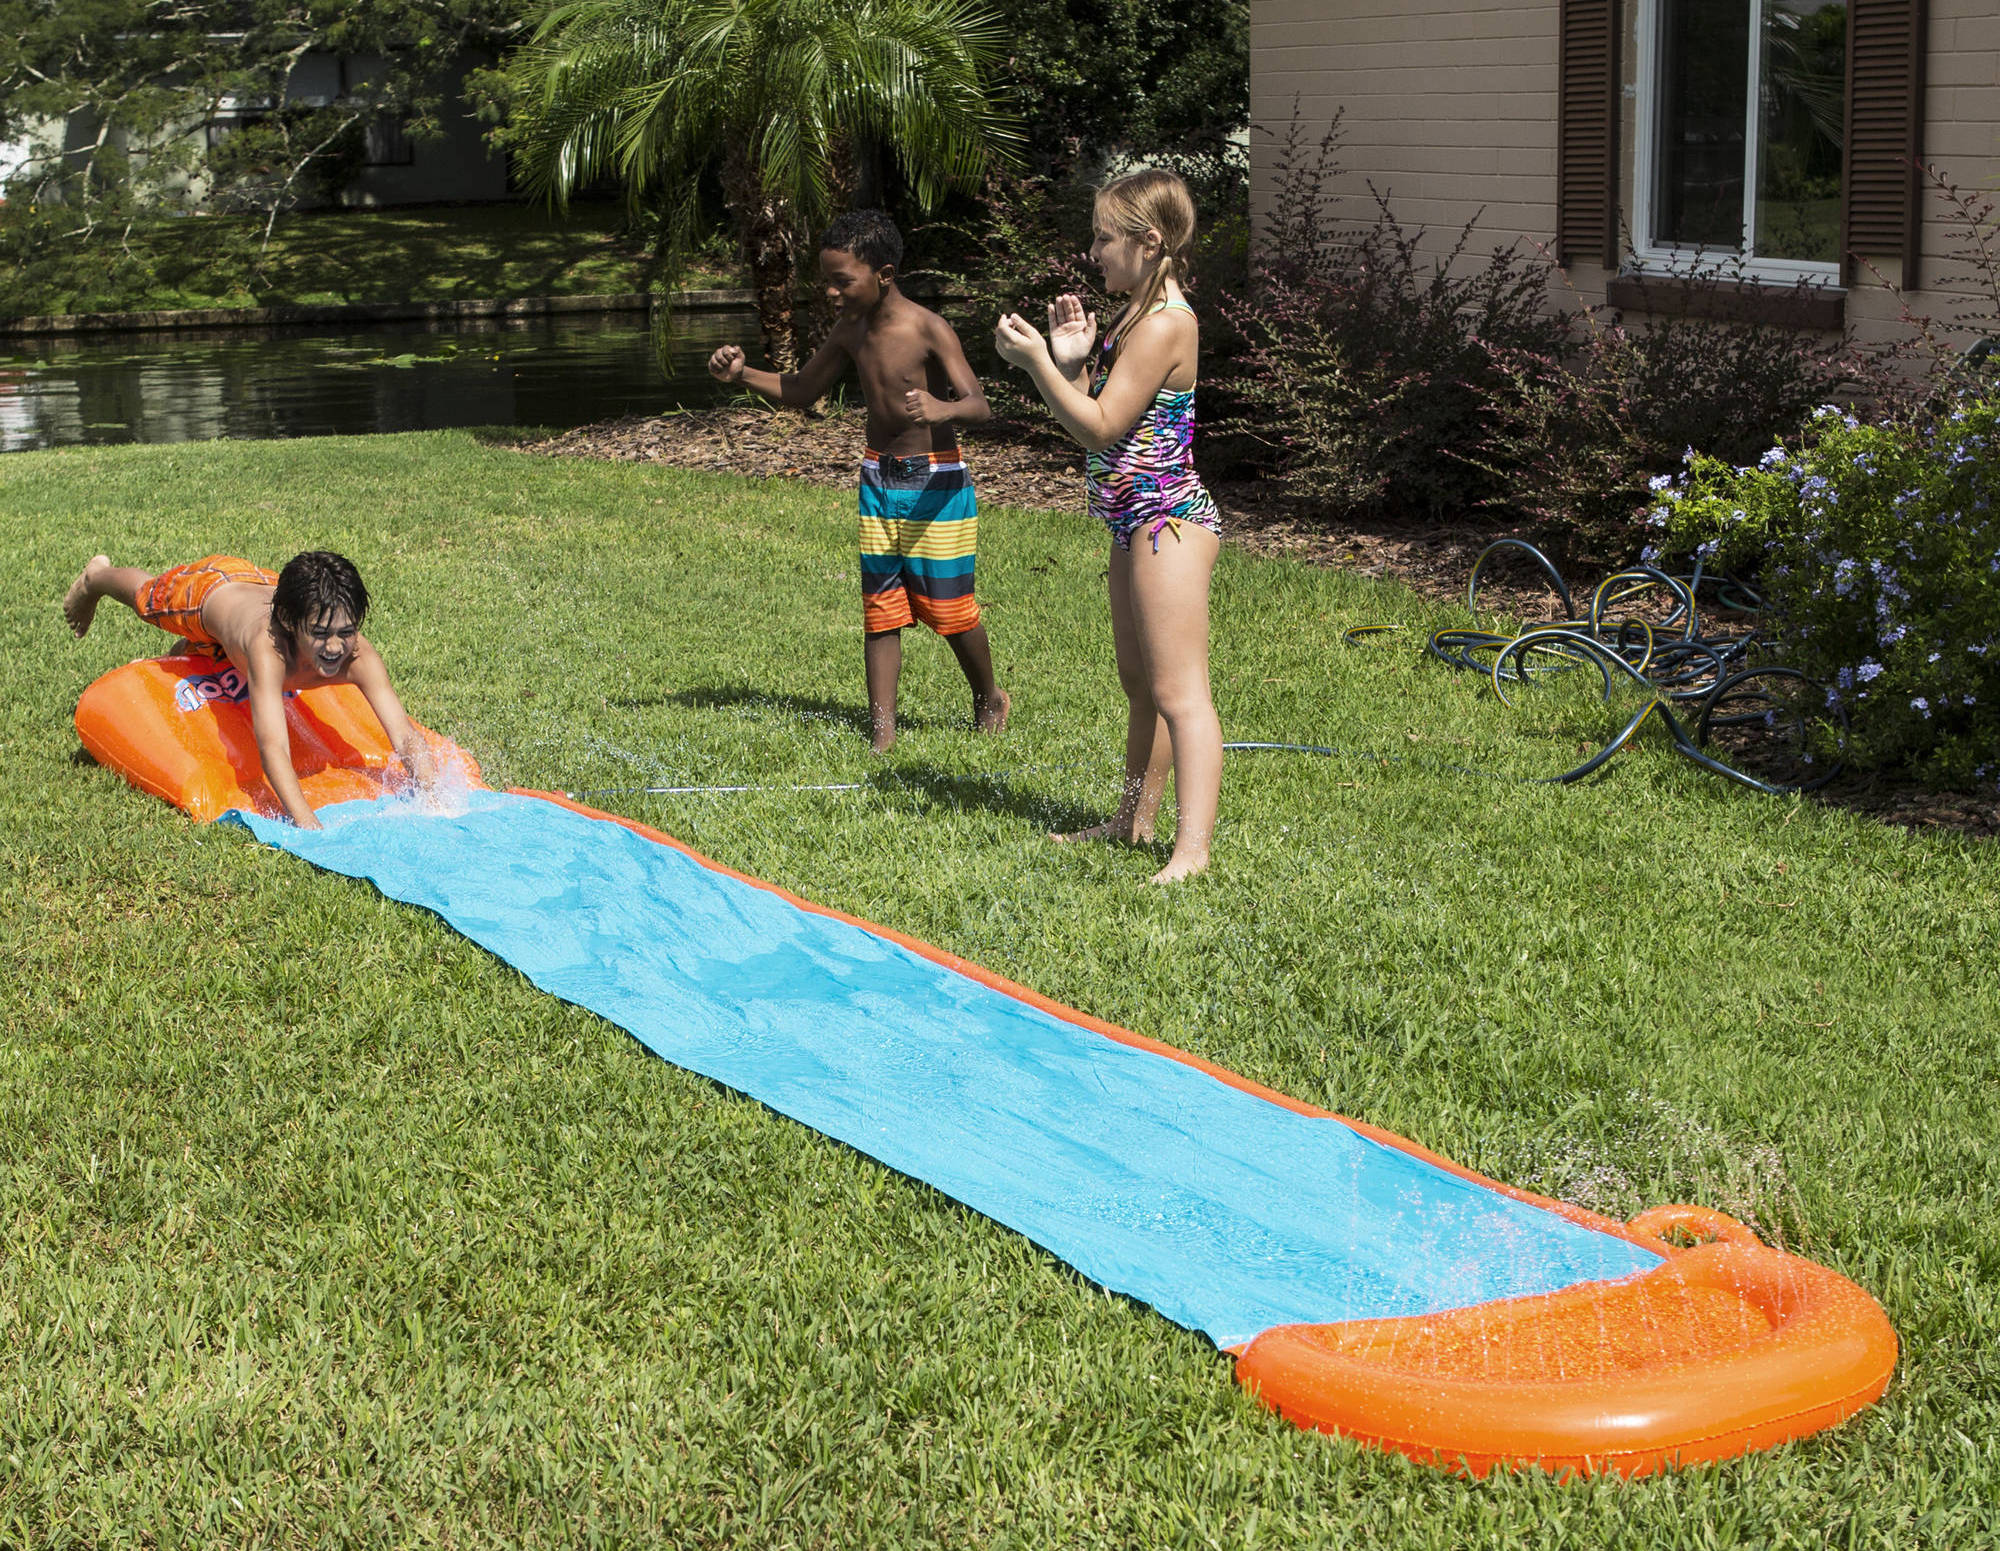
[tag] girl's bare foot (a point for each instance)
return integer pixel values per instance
(1179, 867)
(79, 604)
(883, 741)
(990, 714)
(1119, 831)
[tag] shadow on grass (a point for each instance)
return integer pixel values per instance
(993, 791)
(511, 436)
(735, 696)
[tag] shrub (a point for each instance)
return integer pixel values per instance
(1878, 547)
(1388, 381)
(1369, 370)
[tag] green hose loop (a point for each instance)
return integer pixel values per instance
(1671, 661)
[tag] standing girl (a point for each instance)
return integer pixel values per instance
(1133, 412)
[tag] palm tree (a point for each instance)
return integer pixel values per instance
(778, 95)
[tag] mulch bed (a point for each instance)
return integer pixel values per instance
(1016, 464)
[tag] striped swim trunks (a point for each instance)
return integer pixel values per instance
(919, 537)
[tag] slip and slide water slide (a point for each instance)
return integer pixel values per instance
(1364, 1286)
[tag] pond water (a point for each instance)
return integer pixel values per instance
(194, 385)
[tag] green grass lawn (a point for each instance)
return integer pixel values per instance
(322, 1226)
(419, 254)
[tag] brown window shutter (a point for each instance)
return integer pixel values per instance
(1587, 105)
(1881, 203)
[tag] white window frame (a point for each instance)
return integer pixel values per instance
(1664, 258)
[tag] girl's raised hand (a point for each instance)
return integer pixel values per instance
(1018, 341)
(1072, 332)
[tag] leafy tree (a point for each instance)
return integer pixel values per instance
(782, 98)
(128, 87)
(1131, 75)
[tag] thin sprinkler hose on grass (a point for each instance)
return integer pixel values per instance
(1670, 662)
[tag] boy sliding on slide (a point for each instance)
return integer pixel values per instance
(297, 630)
(919, 522)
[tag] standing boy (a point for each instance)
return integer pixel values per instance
(919, 521)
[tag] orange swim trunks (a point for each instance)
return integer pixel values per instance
(173, 599)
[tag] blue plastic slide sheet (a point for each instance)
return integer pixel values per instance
(1227, 1213)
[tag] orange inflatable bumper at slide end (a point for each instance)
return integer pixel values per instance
(1365, 1286)
(179, 727)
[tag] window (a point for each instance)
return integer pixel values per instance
(388, 146)
(1741, 129)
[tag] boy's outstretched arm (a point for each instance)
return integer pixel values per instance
(274, 740)
(796, 390)
(370, 675)
(968, 401)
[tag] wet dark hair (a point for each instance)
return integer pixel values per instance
(868, 234)
(311, 585)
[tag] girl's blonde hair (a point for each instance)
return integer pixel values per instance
(1152, 200)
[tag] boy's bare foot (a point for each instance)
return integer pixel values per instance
(1178, 868)
(883, 741)
(990, 714)
(79, 604)
(1118, 831)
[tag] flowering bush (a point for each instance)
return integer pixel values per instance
(1879, 552)
(1585, 428)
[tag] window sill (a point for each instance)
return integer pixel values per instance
(1733, 301)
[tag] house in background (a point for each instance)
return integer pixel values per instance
(395, 168)
(1639, 137)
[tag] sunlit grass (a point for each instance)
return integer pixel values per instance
(321, 1225)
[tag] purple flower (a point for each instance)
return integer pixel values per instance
(1772, 459)
(1869, 671)
(1923, 705)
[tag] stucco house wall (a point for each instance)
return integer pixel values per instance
(1450, 110)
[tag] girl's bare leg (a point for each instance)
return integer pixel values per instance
(1149, 751)
(101, 579)
(1169, 591)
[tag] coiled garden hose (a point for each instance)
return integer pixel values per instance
(1671, 661)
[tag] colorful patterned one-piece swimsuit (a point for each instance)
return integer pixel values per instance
(1146, 478)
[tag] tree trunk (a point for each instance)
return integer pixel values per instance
(767, 237)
